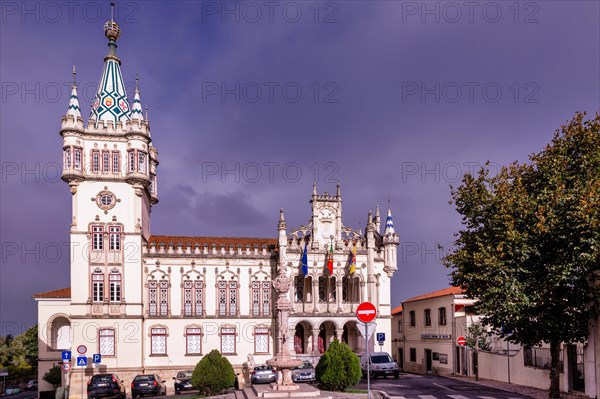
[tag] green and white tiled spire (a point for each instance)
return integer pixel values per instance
(136, 109)
(74, 109)
(110, 103)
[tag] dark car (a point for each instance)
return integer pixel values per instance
(32, 385)
(304, 373)
(148, 384)
(105, 385)
(183, 381)
(263, 374)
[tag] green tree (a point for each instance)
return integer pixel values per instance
(213, 374)
(477, 337)
(338, 368)
(530, 243)
(53, 377)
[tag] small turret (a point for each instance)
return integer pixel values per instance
(389, 224)
(74, 109)
(136, 109)
(390, 243)
(377, 220)
(282, 241)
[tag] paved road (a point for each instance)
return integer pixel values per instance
(411, 386)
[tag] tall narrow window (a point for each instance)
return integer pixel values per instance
(256, 298)
(95, 161)
(266, 298)
(193, 341)
(261, 340)
(164, 298)
(97, 238)
(115, 287)
(222, 298)
(198, 293)
(77, 155)
(442, 316)
(98, 287)
(232, 298)
(106, 341)
(141, 162)
(427, 317)
(115, 162)
(105, 161)
(67, 152)
(152, 297)
(413, 354)
(413, 319)
(228, 340)
(322, 289)
(131, 156)
(188, 299)
(115, 238)
(158, 338)
(299, 287)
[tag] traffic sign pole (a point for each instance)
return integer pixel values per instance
(368, 362)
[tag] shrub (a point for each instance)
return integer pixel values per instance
(213, 374)
(53, 376)
(339, 368)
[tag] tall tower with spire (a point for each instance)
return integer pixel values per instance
(110, 164)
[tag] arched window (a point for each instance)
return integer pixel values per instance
(261, 298)
(60, 337)
(193, 291)
(227, 298)
(350, 289)
(158, 298)
(97, 287)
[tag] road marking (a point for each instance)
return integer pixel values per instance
(458, 397)
(441, 386)
(397, 397)
(427, 397)
(486, 397)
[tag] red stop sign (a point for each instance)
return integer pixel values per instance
(366, 312)
(461, 341)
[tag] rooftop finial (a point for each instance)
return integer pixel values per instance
(338, 192)
(111, 28)
(146, 113)
(74, 76)
(137, 82)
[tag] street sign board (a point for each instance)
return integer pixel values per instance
(81, 349)
(461, 341)
(66, 367)
(366, 312)
(381, 337)
(66, 356)
(3, 373)
(81, 361)
(96, 358)
(370, 329)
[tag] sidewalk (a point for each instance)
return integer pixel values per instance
(535, 393)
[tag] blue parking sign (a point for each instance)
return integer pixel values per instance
(96, 358)
(66, 355)
(380, 337)
(81, 360)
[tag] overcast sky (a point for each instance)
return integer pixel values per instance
(250, 102)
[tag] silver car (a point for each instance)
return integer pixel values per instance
(263, 374)
(304, 373)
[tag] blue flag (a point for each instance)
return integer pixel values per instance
(305, 261)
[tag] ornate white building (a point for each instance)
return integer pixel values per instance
(150, 303)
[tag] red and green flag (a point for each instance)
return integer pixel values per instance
(330, 260)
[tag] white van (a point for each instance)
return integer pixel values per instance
(381, 365)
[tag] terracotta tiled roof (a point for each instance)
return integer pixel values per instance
(397, 310)
(435, 294)
(271, 243)
(62, 293)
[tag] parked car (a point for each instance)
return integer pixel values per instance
(263, 374)
(381, 364)
(32, 385)
(183, 381)
(148, 384)
(106, 385)
(12, 390)
(304, 373)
